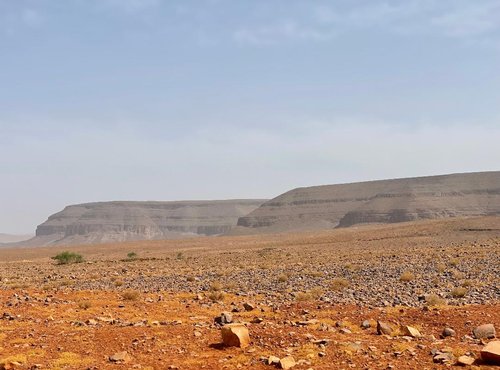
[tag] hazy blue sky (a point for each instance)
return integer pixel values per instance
(208, 99)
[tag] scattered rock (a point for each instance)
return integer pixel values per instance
(235, 335)
(448, 332)
(308, 322)
(287, 362)
(444, 358)
(10, 365)
(120, 357)
(465, 360)
(224, 318)
(248, 306)
(384, 328)
(411, 332)
(486, 331)
(366, 324)
(273, 360)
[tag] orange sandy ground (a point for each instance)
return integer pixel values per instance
(46, 334)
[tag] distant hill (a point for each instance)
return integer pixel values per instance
(122, 221)
(10, 238)
(385, 201)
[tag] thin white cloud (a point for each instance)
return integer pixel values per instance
(470, 20)
(479, 20)
(282, 31)
(129, 6)
(12, 20)
(32, 18)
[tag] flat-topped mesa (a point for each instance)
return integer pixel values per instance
(385, 201)
(122, 221)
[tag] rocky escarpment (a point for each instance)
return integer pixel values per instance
(121, 221)
(386, 201)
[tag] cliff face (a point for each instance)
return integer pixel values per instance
(387, 201)
(121, 221)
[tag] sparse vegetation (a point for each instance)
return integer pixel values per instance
(303, 296)
(457, 274)
(215, 286)
(458, 292)
(216, 296)
(131, 256)
(130, 295)
(407, 276)
(338, 284)
(440, 267)
(84, 305)
(434, 300)
(282, 278)
(467, 283)
(65, 258)
(155, 299)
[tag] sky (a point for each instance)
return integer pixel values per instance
(216, 99)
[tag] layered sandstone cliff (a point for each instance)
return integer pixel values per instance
(386, 201)
(122, 221)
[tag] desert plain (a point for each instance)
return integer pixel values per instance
(399, 296)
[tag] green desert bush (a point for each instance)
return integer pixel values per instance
(65, 258)
(131, 256)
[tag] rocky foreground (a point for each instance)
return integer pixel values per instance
(417, 296)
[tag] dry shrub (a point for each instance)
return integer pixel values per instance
(215, 286)
(130, 295)
(303, 296)
(282, 278)
(457, 274)
(339, 284)
(216, 296)
(316, 292)
(190, 279)
(65, 282)
(84, 305)
(316, 274)
(458, 292)
(407, 276)
(118, 282)
(467, 283)
(440, 267)
(434, 300)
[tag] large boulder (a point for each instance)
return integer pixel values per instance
(486, 331)
(491, 352)
(384, 328)
(235, 335)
